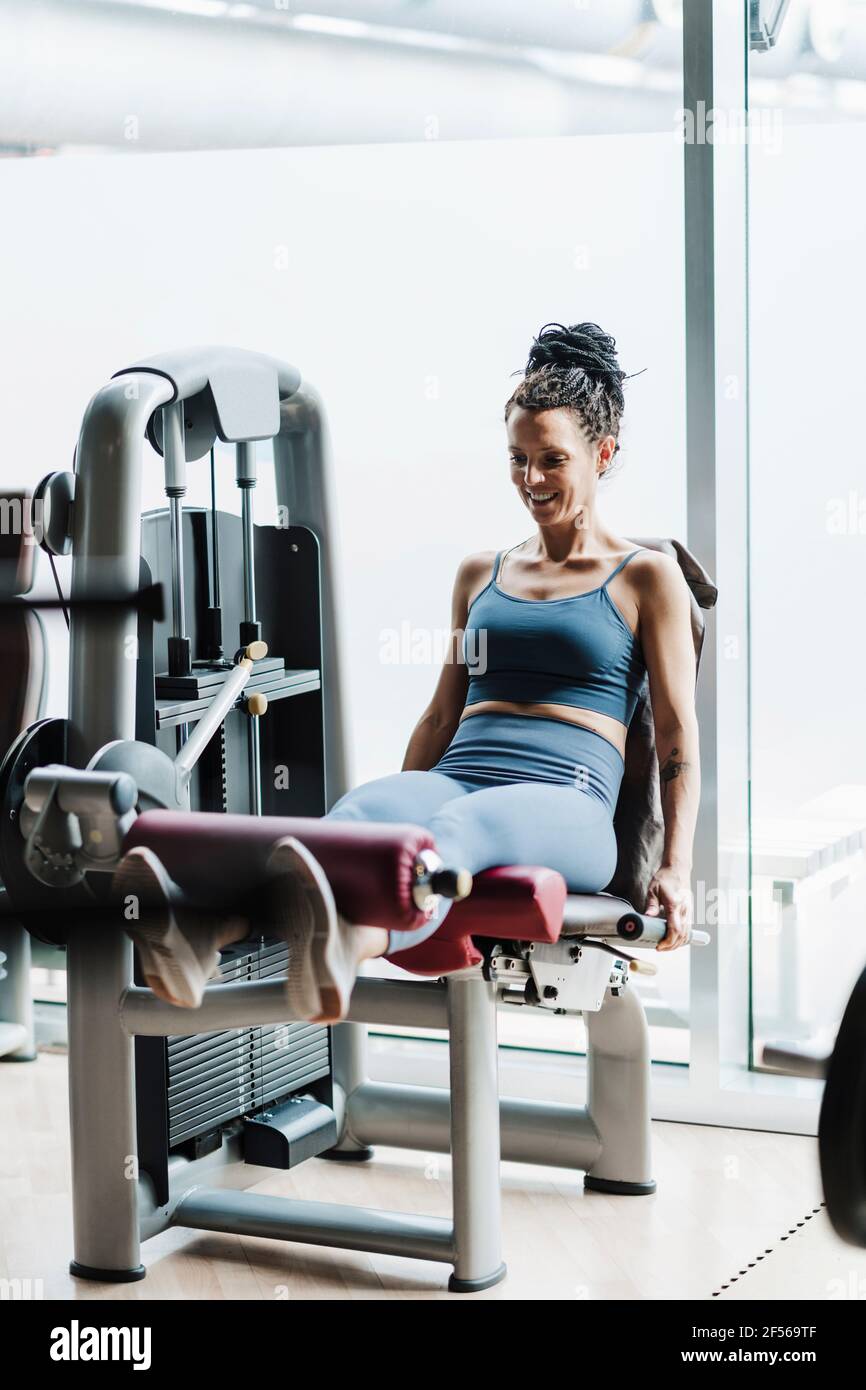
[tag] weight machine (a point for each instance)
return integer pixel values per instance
(174, 1111)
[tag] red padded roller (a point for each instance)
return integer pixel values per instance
(220, 859)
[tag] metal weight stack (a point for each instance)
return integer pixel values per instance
(264, 1089)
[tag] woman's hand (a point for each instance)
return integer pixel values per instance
(669, 896)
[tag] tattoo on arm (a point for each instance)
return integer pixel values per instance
(670, 769)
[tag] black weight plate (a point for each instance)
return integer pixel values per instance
(842, 1125)
(44, 911)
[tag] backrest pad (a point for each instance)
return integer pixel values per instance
(638, 820)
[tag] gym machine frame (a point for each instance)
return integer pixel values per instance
(115, 1208)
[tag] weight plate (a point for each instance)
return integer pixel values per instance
(44, 911)
(842, 1125)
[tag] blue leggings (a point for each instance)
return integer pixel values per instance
(509, 789)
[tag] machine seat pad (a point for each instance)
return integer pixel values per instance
(523, 902)
(515, 903)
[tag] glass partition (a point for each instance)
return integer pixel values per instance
(807, 224)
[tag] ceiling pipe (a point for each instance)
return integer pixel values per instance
(120, 74)
(140, 78)
(584, 26)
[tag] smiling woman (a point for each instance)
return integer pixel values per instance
(520, 753)
(583, 664)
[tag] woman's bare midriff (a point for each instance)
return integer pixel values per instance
(611, 729)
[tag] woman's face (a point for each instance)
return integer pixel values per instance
(554, 466)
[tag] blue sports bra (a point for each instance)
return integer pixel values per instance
(562, 651)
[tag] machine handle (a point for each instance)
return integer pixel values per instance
(641, 926)
(452, 883)
(643, 967)
(218, 709)
(80, 792)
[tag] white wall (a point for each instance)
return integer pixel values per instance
(406, 282)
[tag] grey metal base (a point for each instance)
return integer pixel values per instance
(608, 1138)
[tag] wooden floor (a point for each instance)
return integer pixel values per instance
(737, 1216)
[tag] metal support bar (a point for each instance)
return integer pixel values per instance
(255, 766)
(175, 487)
(248, 537)
(316, 1223)
(102, 1107)
(418, 1118)
(715, 63)
(246, 480)
(307, 493)
(473, 1065)
(105, 559)
(618, 1090)
(178, 608)
(240, 1006)
(102, 691)
(174, 454)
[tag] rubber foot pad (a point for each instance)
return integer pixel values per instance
(456, 1285)
(625, 1189)
(107, 1276)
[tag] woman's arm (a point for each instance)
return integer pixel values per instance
(669, 653)
(435, 729)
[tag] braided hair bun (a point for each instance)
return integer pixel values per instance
(575, 367)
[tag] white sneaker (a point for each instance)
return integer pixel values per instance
(179, 949)
(323, 960)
